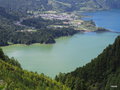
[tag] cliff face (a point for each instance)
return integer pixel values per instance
(102, 73)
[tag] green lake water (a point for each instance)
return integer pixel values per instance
(69, 52)
(64, 56)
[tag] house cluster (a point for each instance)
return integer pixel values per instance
(27, 30)
(58, 16)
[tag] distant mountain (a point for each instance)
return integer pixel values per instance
(85, 5)
(34, 5)
(25, 5)
(59, 5)
(102, 73)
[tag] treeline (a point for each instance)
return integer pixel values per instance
(23, 6)
(6, 28)
(13, 77)
(12, 34)
(40, 22)
(7, 15)
(102, 73)
(46, 36)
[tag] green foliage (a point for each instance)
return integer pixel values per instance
(90, 5)
(7, 15)
(41, 23)
(11, 61)
(22, 6)
(7, 26)
(15, 78)
(11, 33)
(2, 56)
(100, 74)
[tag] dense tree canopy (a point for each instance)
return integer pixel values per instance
(101, 73)
(10, 33)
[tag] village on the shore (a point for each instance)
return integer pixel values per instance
(69, 20)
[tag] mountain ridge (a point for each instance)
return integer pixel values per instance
(59, 5)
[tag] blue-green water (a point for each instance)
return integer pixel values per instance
(64, 56)
(109, 19)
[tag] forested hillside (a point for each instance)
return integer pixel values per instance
(7, 26)
(102, 73)
(5, 14)
(58, 5)
(25, 5)
(10, 33)
(13, 77)
(91, 5)
(12, 11)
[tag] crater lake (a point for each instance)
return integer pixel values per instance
(68, 53)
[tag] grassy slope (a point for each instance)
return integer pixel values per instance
(15, 78)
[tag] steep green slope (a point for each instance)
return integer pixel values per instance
(102, 73)
(90, 5)
(34, 5)
(24, 5)
(7, 25)
(13, 77)
(59, 5)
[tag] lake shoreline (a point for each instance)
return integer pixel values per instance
(53, 41)
(78, 31)
(43, 56)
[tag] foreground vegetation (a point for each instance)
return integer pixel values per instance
(102, 73)
(13, 77)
